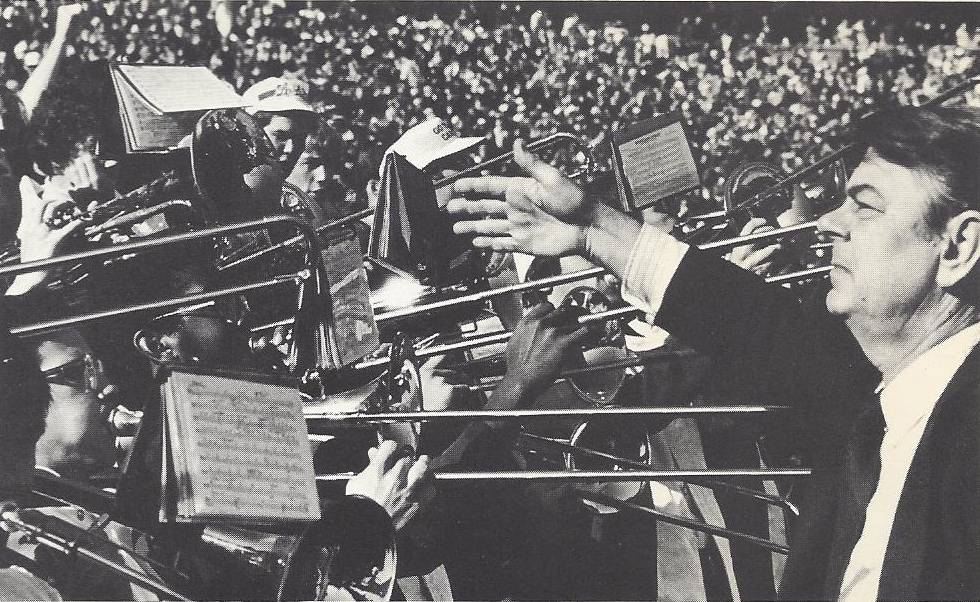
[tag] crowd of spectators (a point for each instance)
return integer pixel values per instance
(760, 90)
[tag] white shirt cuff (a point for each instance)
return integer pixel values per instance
(653, 262)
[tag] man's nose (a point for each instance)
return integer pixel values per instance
(832, 225)
(287, 146)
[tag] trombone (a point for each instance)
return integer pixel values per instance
(315, 561)
(835, 157)
(152, 244)
(537, 145)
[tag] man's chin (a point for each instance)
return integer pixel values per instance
(836, 303)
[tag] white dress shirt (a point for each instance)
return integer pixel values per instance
(906, 402)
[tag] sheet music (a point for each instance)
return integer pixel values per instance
(175, 89)
(659, 164)
(146, 129)
(245, 447)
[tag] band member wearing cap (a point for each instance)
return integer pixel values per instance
(282, 107)
(891, 510)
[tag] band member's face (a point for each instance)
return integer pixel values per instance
(885, 260)
(288, 136)
(310, 171)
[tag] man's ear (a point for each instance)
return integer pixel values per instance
(961, 249)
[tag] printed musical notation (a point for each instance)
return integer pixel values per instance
(656, 160)
(240, 450)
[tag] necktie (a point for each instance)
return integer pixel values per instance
(861, 469)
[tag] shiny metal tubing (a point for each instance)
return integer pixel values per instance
(168, 303)
(652, 357)
(633, 464)
(582, 275)
(493, 338)
(835, 156)
(291, 242)
(738, 241)
(146, 245)
(72, 548)
(490, 339)
(530, 147)
(681, 521)
(560, 413)
(800, 275)
(406, 312)
(598, 475)
(960, 88)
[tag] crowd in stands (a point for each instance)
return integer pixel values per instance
(755, 91)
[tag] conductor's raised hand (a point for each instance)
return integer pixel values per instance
(544, 214)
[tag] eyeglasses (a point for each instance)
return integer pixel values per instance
(84, 374)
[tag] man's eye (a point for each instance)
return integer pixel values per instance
(863, 207)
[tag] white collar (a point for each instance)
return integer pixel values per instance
(913, 393)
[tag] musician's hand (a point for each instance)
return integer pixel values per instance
(755, 258)
(402, 488)
(88, 181)
(37, 239)
(545, 214)
(537, 350)
(439, 385)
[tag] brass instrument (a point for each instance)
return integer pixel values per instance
(770, 192)
(152, 244)
(538, 145)
(349, 553)
(586, 150)
(231, 161)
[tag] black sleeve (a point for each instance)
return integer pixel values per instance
(767, 347)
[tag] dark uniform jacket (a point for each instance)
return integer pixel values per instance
(769, 348)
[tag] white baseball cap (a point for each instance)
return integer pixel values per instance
(428, 141)
(278, 95)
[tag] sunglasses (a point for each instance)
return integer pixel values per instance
(82, 373)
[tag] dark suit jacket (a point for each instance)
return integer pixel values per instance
(769, 348)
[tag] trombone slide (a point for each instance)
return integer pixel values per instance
(21, 520)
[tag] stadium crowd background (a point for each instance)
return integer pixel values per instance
(765, 81)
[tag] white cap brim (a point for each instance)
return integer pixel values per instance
(423, 159)
(280, 104)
